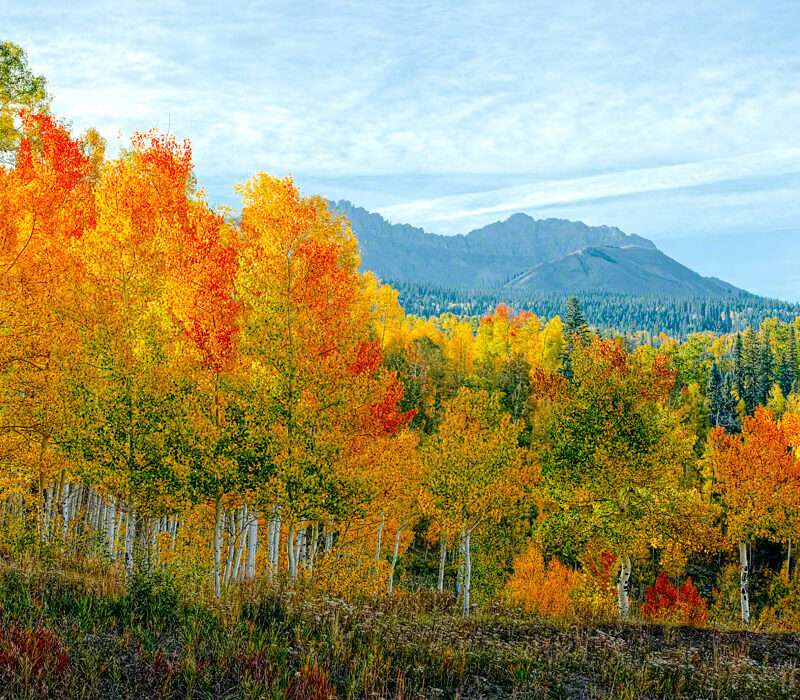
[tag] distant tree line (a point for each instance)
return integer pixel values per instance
(624, 313)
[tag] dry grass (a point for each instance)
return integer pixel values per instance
(152, 641)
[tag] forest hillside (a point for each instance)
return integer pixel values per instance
(233, 465)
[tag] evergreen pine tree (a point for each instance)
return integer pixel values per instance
(576, 330)
(714, 395)
(794, 371)
(751, 361)
(784, 377)
(765, 373)
(738, 366)
(728, 418)
(575, 322)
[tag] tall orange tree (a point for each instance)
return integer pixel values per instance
(45, 203)
(306, 343)
(757, 475)
(202, 264)
(126, 392)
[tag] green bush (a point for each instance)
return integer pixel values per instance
(152, 599)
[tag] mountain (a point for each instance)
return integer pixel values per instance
(628, 270)
(525, 254)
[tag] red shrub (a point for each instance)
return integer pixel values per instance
(665, 603)
(31, 655)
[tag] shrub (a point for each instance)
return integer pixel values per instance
(665, 603)
(541, 589)
(152, 599)
(784, 614)
(32, 658)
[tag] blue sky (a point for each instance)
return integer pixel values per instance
(679, 121)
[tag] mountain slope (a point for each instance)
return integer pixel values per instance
(485, 257)
(630, 270)
(526, 254)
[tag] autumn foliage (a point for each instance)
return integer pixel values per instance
(665, 603)
(229, 394)
(543, 589)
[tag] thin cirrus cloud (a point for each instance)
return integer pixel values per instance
(536, 195)
(438, 114)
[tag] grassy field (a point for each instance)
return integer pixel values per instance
(81, 634)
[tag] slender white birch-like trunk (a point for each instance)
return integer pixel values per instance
(173, 533)
(130, 536)
(380, 536)
(252, 545)
(102, 524)
(244, 530)
(111, 514)
(48, 512)
(119, 546)
(217, 547)
(298, 549)
(290, 549)
(744, 571)
(461, 563)
(622, 586)
(90, 516)
(65, 509)
(394, 556)
(312, 548)
(233, 539)
(276, 546)
(270, 544)
(467, 572)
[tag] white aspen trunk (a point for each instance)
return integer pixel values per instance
(467, 572)
(298, 549)
(217, 547)
(744, 571)
(173, 533)
(119, 546)
(442, 561)
(245, 529)
(110, 520)
(460, 573)
(233, 538)
(329, 539)
(238, 570)
(270, 544)
(252, 546)
(48, 512)
(290, 537)
(622, 586)
(90, 516)
(312, 550)
(65, 509)
(276, 546)
(380, 537)
(102, 507)
(154, 555)
(130, 536)
(394, 557)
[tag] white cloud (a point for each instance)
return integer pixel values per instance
(583, 99)
(542, 194)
